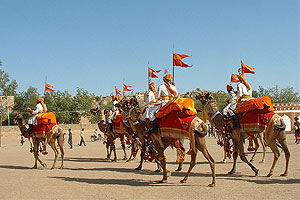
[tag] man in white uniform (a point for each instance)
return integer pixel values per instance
(39, 108)
(165, 93)
(150, 100)
(228, 111)
(115, 112)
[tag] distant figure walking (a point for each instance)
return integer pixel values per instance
(82, 138)
(70, 141)
(297, 130)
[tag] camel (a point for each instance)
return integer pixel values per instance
(274, 130)
(140, 140)
(200, 129)
(55, 134)
(97, 112)
(224, 141)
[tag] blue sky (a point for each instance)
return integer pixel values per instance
(99, 44)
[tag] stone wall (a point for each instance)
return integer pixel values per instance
(88, 129)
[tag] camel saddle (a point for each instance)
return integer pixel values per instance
(46, 118)
(259, 103)
(185, 105)
(118, 124)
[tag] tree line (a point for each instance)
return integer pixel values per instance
(69, 109)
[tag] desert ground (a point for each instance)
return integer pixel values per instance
(87, 175)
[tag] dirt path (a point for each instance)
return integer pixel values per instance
(87, 175)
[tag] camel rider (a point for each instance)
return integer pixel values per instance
(244, 93)
(39, 108)
(115, 112)
(166, 92)
(228, 111)
(150, 99)
(32, 121)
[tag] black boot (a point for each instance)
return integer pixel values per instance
(110, 127)
(153, 126)
(30, 129)
(236, 122)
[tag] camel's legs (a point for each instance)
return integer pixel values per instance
(192, 164)
(36, 145)
(53, 146)
(60, 142)
(143, 149)
(260, 137)
(211, 162)
(108, 151)
(124, 150)
(276, 152)
(282, 140)
(255, 148)
(113, 148)
(234, 156)
(243, 157)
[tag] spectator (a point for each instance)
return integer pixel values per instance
(70, 142)
(82, 138)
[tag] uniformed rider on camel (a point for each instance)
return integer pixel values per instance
(115, 112)
(32, 121)
(166, 92)
(150, 100)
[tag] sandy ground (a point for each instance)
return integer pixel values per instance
(87, 175)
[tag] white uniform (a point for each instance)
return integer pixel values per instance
(229, 109)
(164, 96)
(243, 92)
(150, 101)
(115, 112)
(38, 109)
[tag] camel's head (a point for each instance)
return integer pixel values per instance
(95, 110)
(18, 117)
(204, 98)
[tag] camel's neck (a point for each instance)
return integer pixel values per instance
(101, 126)
(21, 126)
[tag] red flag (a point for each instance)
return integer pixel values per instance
(177, 60)
(49, 88)
(126, 88)
(151, 73)
(246, 68)
(118, 91)
(234, 78)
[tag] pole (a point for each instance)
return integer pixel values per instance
(148, 77)
(7, 111)
(173, 64)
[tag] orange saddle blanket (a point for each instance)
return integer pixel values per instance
(185, 105)
(255, 104)
(46, 118)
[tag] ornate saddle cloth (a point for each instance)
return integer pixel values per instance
(179, 125)
(185, 105)
(118, 124)
(255, 120)
(43, 130)
(255, 104)
(46, 118)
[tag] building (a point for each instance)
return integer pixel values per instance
(288, 111)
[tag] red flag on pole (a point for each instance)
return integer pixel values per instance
(118, 91)
(126, 88)
(177, 60)
(234, 78)
(246, 68)
(151, 73)
(49, 88)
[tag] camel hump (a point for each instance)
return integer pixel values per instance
(46, 118)
(259, 103)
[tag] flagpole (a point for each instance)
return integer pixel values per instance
(148, 76)
(45, 86)
(173, 64)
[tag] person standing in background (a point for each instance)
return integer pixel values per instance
(82, 138)
(70, 141)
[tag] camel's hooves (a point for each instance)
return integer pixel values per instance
(284, 174)
(269, 175)
(44, 165)
(178, 170)
(61, 168)
(231, 172)
(256, 172)
(212, 185)
(158, 170)
(34, 167)
(138, 168)
(114, 160)
(223, 161)
(251, 160)
(52, 168)
(262, 161)
(125, 158)
(163, 181)
(183, 181)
